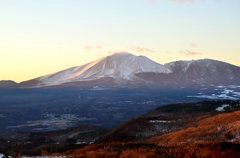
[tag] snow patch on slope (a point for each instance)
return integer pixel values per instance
(231, 92)
(221, 108)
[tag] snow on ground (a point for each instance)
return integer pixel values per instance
(222, 107)
(213, 96)
(231, 92)
(2, 116)
(159, 121)
(52, 122)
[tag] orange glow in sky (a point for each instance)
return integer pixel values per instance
(42, 37)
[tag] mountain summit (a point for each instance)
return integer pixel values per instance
(125, 69)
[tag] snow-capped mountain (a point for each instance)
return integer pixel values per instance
(125, 69)
(120, 67)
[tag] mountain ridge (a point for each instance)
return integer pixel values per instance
(125, 69)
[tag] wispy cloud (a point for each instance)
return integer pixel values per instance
(141, 49)
(152, 1)
(193, 45)
(93, 47)
(188, 52)
(182, 0)
(117, 51)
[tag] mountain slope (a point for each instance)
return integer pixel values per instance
(166, 119)
(146, 150)
(205, 71)
(222, 127)
(195, 73)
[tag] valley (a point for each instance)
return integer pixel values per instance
(35, 110)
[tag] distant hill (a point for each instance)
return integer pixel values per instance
(7, 84)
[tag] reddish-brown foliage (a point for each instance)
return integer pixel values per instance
(206, 138)
(132, 150)
(222, 127)
(207, 149)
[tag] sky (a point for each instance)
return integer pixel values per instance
(39, 37)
